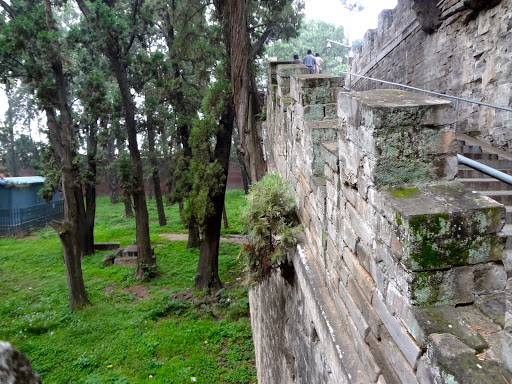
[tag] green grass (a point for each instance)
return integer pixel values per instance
(123, 339)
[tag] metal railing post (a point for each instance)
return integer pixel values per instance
(456, 116)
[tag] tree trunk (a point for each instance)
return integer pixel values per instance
(146, 265)
(225, 217)
(150, 189)
(155, 174)
(165, 159)
(111, 173)
(10, 126)
(80, 209)
(208, 268)
(68, 229)
(243, 171)
(127, 200)
(114, 52)
(90, 188)
(194, 240)
(242, 89)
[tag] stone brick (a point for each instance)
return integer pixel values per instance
(396, 359)
(318, 89)
(403, 340)
(363, 255)
(373, 369)
(427, 373)
(396, 247)
(126, 261)
(457, 285)
(493, 306)
(380, 279)
(364, 306)
(448, 347)
(343, 271)
(330, 154)
(359, 226)
(390, 266)
(348, 236)
(388, 374)
(466, 323)
(355, 313)
(401, 307)
(360, 275)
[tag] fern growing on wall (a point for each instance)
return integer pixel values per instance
(272, 222)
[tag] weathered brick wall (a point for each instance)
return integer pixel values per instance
(398, 275)
(468, 54)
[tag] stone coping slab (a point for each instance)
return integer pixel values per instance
(445, 225)
(392, 98)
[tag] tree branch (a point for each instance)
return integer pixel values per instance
(8, 9)
(255, 48)
(135, 11)
(84, 8)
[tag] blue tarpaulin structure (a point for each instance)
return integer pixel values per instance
(21, 206)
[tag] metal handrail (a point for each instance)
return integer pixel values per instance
(485, 169)
(433, 93)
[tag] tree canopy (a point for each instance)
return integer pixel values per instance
(313, 36)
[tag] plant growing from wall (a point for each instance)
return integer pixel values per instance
(272, 223)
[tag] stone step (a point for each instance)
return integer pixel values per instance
(485, 184)
(465, 139)
(481, 156)
(507, 262)
(469, 173)
(503, 197)
(469, 149)
(105, 246)
(506, 231)
(508, 215)
(497, 164)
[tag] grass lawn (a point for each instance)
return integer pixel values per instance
(153, 332)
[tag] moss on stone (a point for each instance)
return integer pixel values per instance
(404, 193)
(425, 287)
(392, 173)
(430, 251)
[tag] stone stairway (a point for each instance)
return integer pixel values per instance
(486, 185)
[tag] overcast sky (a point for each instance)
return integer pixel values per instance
(356, 23)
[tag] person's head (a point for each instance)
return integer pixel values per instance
(295, 57)
(310, 51)
(317, 54)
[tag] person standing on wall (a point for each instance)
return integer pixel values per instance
(318, 63)
(309, 61)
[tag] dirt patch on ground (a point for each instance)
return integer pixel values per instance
(238, 239)
(141, 291)
(186, 295)
(108, 289)
(27, 237)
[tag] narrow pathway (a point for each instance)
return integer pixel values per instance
(239, 239)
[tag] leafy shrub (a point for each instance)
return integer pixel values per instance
(272, 223)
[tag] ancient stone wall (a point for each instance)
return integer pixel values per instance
(461, 48)
(398, 274)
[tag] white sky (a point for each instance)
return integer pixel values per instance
(355, 23)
